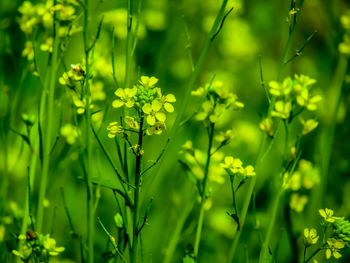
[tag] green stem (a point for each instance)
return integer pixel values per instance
(129, 38)
(265, 246)
(88, 143)
(136, 195)
(329, 132)
(198, 67)
(49, 128)
(203, 194)
(313, 254)
(177, 233)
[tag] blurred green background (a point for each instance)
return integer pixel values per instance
(254, 28)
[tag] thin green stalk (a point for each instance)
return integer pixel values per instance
(264, 254)
(329, 132)
(88, 143)
(313, 254)
(50, 90)
(260, 156)
(213, 33)
(136, 195)
(204, 188)
(177, 233)
(129, 38)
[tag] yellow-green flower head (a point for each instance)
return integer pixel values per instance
(225, 137)
(132, 123)
(81, 104)
(304, 81)
(308, 125)
(278, 89)
(74, 75)
(28, 51)
(344, 47)
(166, 100)
(114, 129)
(70, 132)
(47, 45)
(310, 236)
(294, 181)
(248, 171)
(153, 112)
(297, 202)
(126, 97)
(96, 90)
(156, 129)
(50, 246)
(327, 215)
(148, 82)
(23, 253)
(282, 109)
(233, 164)
(65, 12)
(267, 126)
(333, 247)
(345, 21)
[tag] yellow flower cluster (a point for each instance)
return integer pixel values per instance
(292, 97)
(195, 160)
(344, 46)
(235, 166)
(41, 15)
(70, 132)
(149, 103)
(36, 245)
(301, 181)
(335, 236)
(310, 236)
(217, 100)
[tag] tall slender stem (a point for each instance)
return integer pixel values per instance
(136, 194)
(88, 143)
(50, 90)
(204, 188)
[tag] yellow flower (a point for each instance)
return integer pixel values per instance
(278, 89)
(304, 80)
(310, 236)
(47, 45)
(148, 82)
(50, 246)
(28, 51)
(344, 47)
(327, 215)
(24, 253)
(248, 171)
(333, 248)
(154, 112)
(282, 109)
(126, 97)
(166, 100)
(297, 202)
(156, 129)
(294, 182)
(132, 123)
(308, 125)
(114, 129)
(267, 126)
(225, 136)
(233, 164)
(70, 132)
(80, 105)
(96, 90)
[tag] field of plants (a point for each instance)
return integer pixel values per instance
(174, 131)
